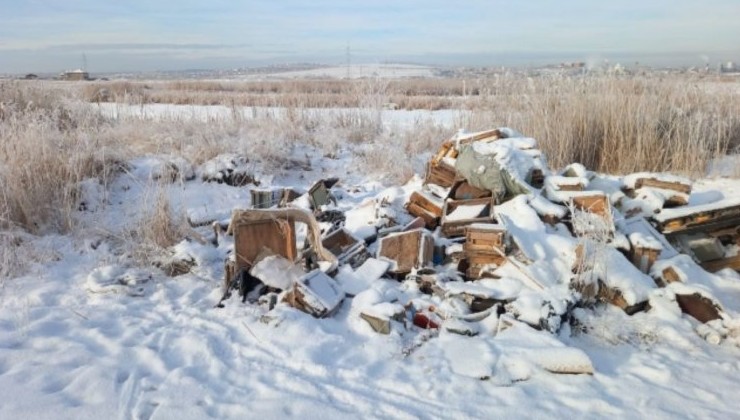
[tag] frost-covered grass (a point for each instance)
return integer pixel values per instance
(51, 141)
(609, 123)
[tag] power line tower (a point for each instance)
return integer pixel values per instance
(84, 62)
(349, 61)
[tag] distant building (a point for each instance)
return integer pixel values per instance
(75, 75)
(30, 76)
(573, 65)
(728, 67)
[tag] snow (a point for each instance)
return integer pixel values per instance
(465, 212)
(320, 290)
(545, 207)
(355, 71)
(501, 289)
(88, 333)
(384, 310)
(215, 113)
(514, 154)
(356, 281)
(486, 226)
(275, 271)
(641, 234)
(556, 181)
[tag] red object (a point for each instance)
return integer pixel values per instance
(422, 320)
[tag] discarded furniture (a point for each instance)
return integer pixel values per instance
(265, 198)
(426, 206)
(457, 214)
(485, 244)
(318, 195)
(407, 250)
(346, 248)
(316, 294)
(441, 173)
(263, 232)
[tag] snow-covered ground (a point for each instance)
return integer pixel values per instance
(353, 71)
(215, 113)
(88, 335)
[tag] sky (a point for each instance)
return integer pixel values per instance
(134, 35)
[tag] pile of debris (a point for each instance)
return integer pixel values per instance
(492, 234)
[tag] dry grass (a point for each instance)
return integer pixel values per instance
(620, 125)
(50, 142)
(158, 228)
(430, 94)
(47, 147)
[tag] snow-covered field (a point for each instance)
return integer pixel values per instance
(88, 334)
(214, 113)
(353, 71)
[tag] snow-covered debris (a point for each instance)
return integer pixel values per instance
(357, 280)
(276, 272)
(315, 293)
(672, 189)
(117, 279)
(548, 210)
(502, 165)
(577, 170)
(229, 169)
(642, 234)
(407, 250)
(381, 316)
(623, 280)
(565, 183)
(463, 212)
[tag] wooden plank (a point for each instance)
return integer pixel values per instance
(483, 135)
(669, 275)
(702, 222)
(441, 174)
(484, 241)
(716, 265)
(251, 238)
(482, 259)
(430, 221)
(426, 203)
(446, 150)
(318, 195)
(655, 183)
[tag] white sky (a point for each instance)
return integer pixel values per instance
(50, 36)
